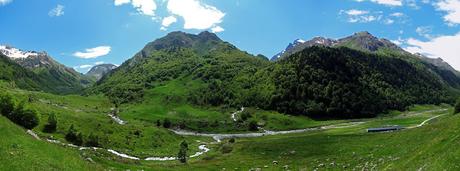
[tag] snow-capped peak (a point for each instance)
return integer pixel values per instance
(15, 53)
(299, 41)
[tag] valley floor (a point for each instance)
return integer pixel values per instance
(428, 141)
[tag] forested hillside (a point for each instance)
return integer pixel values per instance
(317, 81)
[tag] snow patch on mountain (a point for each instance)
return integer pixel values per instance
(14, 53)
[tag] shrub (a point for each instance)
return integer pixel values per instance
(182, 155)
(18, 114)
(27, 118)
(167, 123)
(253, 125)
(245, 115)
(6, 105)
(71, 135)
(158, 123)
(457, 107)
(93, 140)
(79, 140)
(51, 126)
(226, 148)
(232, 140)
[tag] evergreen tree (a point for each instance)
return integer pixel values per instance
(6, 105)
(182, 155)
(79, 139)
(167, 123)
(158, 123)
(51, 126)
(253, 125)
(71, 135)
(457, 107)
(93, 140)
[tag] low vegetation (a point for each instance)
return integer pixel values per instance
(17, 113)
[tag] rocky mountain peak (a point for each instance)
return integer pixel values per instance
(99, 71)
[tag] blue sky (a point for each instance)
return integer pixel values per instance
(82, 33)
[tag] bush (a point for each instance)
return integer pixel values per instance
(6, 105)
(74, 137)
(18, 114)
(158, 123)
(253, 125)
(51, 126)
(226, 148)
(79, 140)
(27, 118)
(93, 140)
(245, 115)
(167, 123)
(457, 107)
(232, 140)
(182, 155)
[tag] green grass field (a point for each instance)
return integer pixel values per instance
(20, 151)
(430, 147)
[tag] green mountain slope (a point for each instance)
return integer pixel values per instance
(59, 78)
(318, 81)
(203, 57)
(20, 151)
(47, 74)
(345, 82)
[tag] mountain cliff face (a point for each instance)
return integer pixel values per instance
(99, 71)
(59, 78)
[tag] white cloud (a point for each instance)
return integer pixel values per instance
(93, 52)
(397, 14)
(424, 31)
(146, 7)
(4, 2)
(444, 47)
(167, 21)
(452, 8)
(57, 11)
(84, 66)
(356, 12)
(412, 3)
(389, 2)
(196, 14)
(121, 2)
(385, 2)
(389, 21)
(99, 62)
(359, 16)
(217, 29)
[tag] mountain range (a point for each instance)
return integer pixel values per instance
(363, 41)
(101, 70)
(49, 75)
(320, 76)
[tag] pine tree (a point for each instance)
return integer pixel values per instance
(182, 155)
(71, 135)
(51, 126)
(457, 107)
